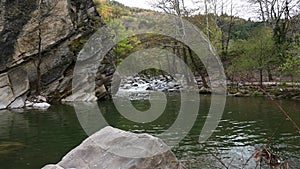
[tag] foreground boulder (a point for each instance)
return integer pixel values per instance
(112, 148)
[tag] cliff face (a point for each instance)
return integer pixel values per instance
(59, 27)
(19, 24)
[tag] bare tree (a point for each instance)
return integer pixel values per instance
(277, 13)
(43, 11)
(206, 18)
(44, 25)
(177, 7)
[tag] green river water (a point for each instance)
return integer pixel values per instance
(29, 139)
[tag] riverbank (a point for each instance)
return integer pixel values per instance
(276, 90)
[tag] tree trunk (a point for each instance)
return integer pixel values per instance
(270, 76)
(262, 12)
(174, 59)
(207, 21)
(229, 29)
(261, 78)
(39, 60)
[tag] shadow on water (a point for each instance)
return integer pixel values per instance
(30, 138)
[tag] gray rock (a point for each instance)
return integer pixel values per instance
(51, 88)
(81, 97)
(41, 98)
(65, 83)
(28, 103)
(4, 81)
(63, 26)
(51, 166)
(19, 81)
(12, 85)
(18, 103)
(112, 148)
(101, 92)
(43, 105)
(6, 97)
(61, 43)
(127, 86)
(171, 85)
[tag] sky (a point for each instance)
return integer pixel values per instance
(136, 3)
(242, 9)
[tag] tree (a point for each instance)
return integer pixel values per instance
(46, 27)
(125, 46)
(34, 39)
(278, 13)
(177, 7)
(292, 65)
(257, 56)
(44, 9)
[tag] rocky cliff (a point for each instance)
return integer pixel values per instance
(51, 32)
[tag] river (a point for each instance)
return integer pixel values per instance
(30, 139)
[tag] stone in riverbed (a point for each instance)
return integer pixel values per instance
(43, 105)
(18, 103)
(112, 148)
(28, 103)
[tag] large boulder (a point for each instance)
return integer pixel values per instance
(112, 148)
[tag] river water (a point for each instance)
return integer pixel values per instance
(30, 139)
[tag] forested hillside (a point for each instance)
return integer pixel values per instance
(251, 51)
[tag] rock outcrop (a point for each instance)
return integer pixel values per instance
(13, 88)
(61, 28)
(112, 148)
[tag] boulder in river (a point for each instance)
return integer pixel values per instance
(43, 105)
(112, 148)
